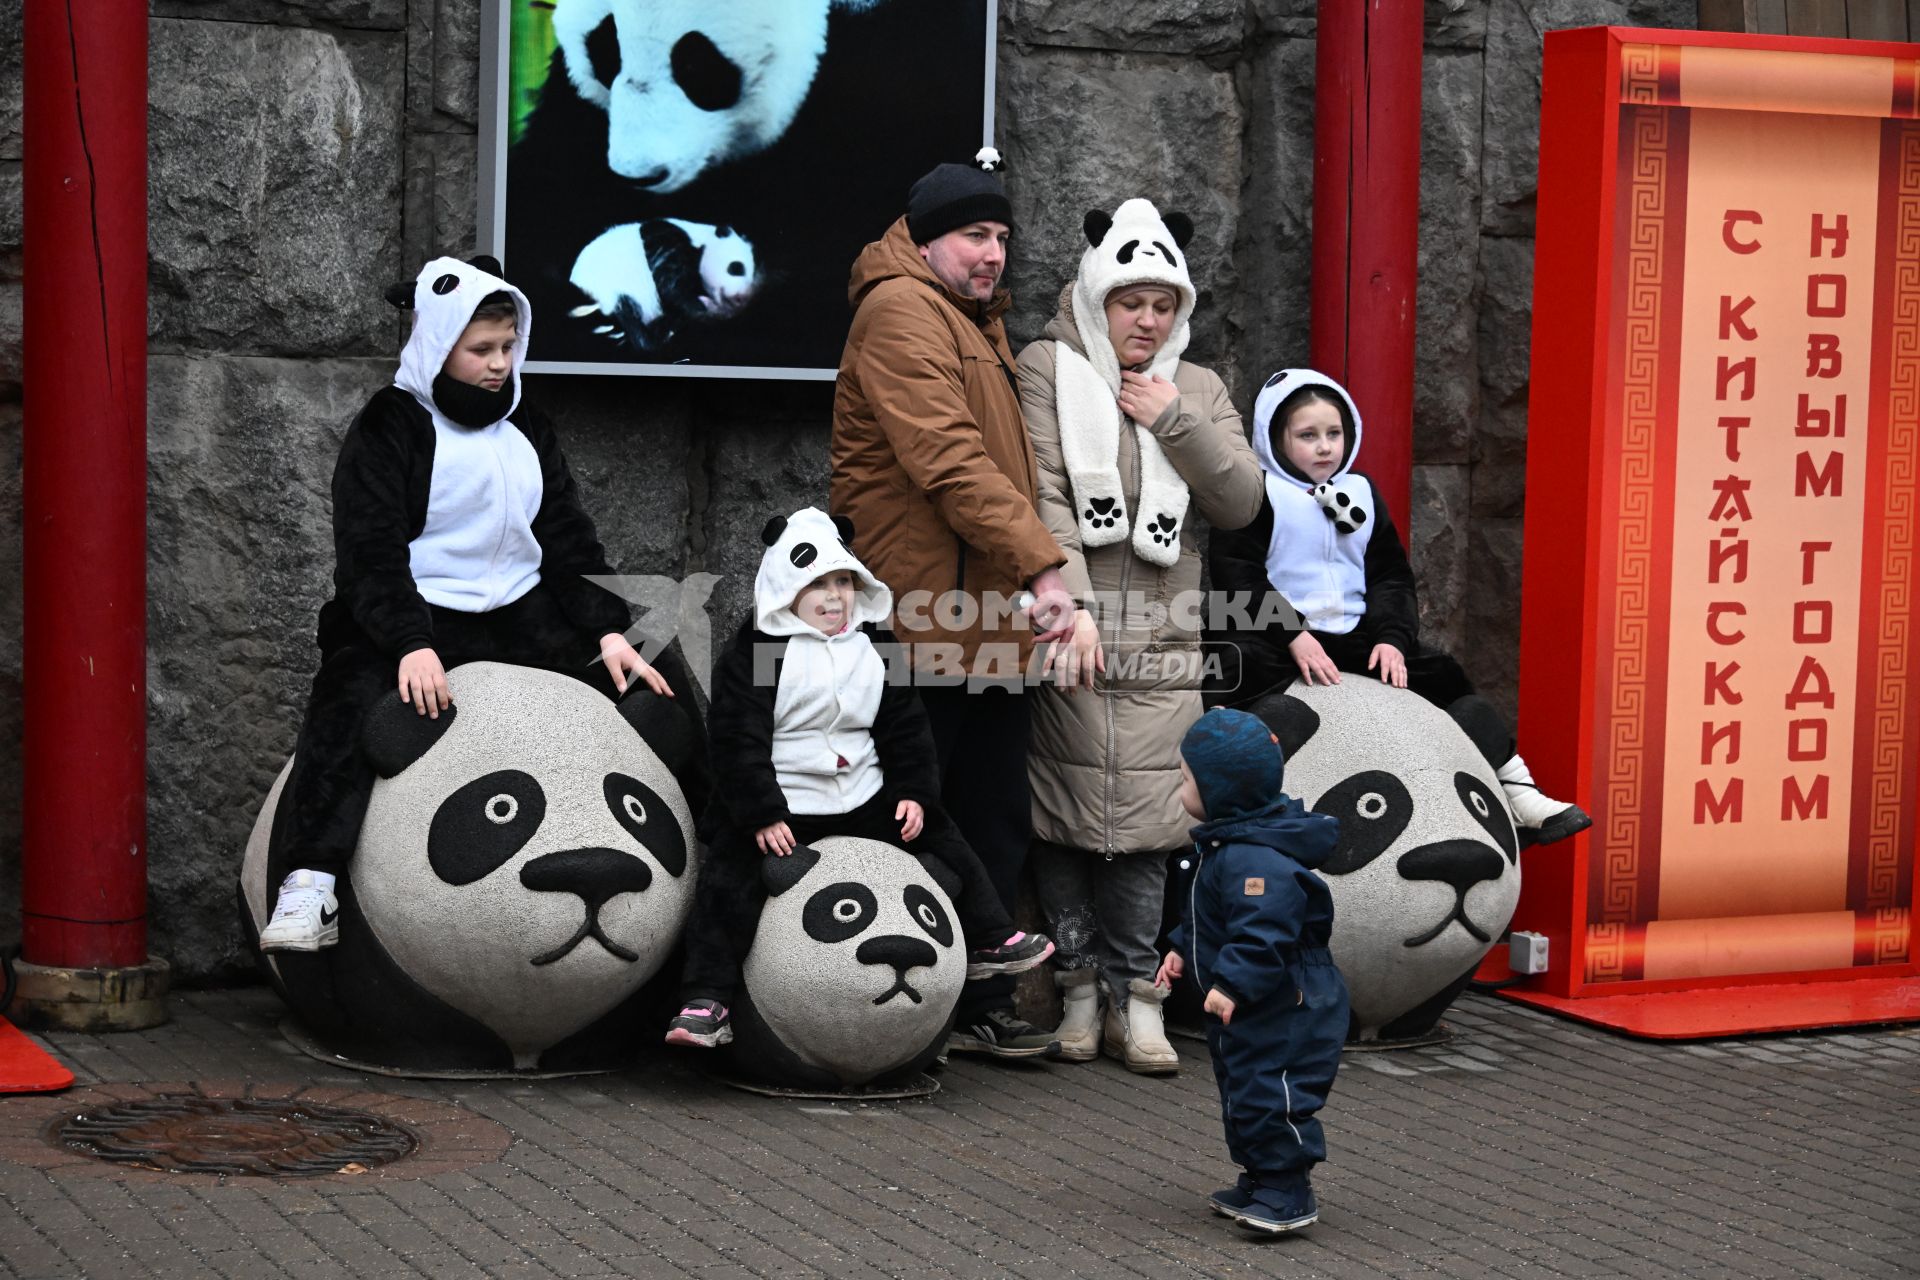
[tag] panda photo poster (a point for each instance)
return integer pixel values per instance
(681, 187)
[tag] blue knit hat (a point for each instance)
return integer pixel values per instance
(1236, 761)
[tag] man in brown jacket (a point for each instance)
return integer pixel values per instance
(932, 463)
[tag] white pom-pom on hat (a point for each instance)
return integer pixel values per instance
(988, 159)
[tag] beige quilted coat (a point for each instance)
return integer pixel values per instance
(1105, 764)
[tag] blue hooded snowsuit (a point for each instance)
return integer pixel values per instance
(1257, 924)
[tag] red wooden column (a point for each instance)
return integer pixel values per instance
(1366, 222)
(84, 464)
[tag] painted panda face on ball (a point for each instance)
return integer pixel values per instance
(688, 84)
(530, 859)
(858, 960)
(1426, 874)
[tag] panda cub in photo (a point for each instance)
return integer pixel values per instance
(645, 280)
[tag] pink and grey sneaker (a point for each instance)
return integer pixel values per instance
(702, 1024)
(1017, 954)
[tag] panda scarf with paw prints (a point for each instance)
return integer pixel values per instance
(1135, 248)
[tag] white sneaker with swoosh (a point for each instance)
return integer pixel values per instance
(307, 915)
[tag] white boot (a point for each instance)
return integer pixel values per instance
(1135, 1033)
(1539, 818)
(1079, 1030)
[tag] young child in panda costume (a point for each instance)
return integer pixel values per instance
(1323, 541)
(458, 537)
(810, 739)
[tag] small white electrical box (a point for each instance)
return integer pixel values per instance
(1527, 952)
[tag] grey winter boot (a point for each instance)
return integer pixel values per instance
(1135, 1033)
(1538, 818)
(1079, 1029)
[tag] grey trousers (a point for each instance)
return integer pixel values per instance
(1102, 913)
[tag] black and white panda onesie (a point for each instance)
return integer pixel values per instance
(807, 729)
(1330, 551)
(1340, 564)
(465, 539)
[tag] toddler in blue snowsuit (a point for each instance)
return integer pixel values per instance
(1254, 938)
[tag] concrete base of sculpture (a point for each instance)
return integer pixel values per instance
(854, 974)
(1427, 871)
(523, 871)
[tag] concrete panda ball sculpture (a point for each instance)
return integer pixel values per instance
(1427, 873)
(855, 970)
(524, 868)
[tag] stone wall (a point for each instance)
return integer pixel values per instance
(307, 152)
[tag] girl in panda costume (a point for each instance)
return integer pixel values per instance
(458, 537)
(810, 738)
(1323, 552)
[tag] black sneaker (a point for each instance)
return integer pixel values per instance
(703, 1024)
(1017, 954)
(1000, 1033)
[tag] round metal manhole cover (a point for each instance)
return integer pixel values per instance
(193, 1134)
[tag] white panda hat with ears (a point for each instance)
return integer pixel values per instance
(1134, 246)
(800, 548)
(1345, 498)
(444, 296)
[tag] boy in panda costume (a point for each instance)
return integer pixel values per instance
(1324, 543)
(458, 537)
(810, 738)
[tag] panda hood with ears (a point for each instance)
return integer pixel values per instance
(443, 299)
(800, 548)
(1278, 388)
(1133, 247)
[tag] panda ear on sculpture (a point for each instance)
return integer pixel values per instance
(1292, 721)
(1181, 226)
(781, 874)
(775, 527)
(1096, 224)
(668, 730)
(394, 735)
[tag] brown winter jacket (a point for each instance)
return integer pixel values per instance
(1105, 765)
(931, 461)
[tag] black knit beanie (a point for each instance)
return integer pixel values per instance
(957, 195)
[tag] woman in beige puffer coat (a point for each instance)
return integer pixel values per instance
(1131, 443)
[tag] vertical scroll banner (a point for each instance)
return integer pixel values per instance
(1724, 487)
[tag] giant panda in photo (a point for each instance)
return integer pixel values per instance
(773, 118)
(524, 868)
(855, 970)
(1427, 872)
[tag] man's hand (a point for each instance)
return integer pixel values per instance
(423, 683)
(1051, 613)
(1074, 662)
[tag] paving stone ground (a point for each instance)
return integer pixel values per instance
(1525, 1147)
